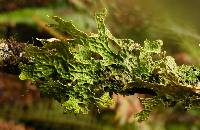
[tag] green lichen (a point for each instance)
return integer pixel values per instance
(84, 71)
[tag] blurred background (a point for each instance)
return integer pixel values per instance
(176, 22)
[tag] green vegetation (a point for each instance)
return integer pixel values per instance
(84, 71)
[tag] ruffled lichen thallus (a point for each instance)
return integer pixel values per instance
(83, 72)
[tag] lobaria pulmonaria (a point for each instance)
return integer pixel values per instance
(83, 72)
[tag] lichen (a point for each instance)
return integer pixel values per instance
(86, 70)
(11, 54)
